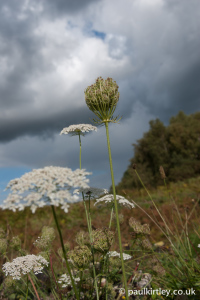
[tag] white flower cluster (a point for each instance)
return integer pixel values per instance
(23, 265)
(198, 246)
(116, 254)
(92, 193)
(110, 198)
(66, 280)
(47, 186)
(78, 129)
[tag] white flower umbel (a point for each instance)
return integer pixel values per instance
(110, 198)
(23, 265)
(91, 193)
(47, 186)
(66, 281)
(79, 129)
(116, 254)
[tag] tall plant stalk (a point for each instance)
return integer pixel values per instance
(116, 208)
(64, 252)
(88, 217)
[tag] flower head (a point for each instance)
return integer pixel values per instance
(79, 129)
(47, 186)
(110, 199)
(65, 280)
(80, 256)
(23, 265)
(102, 239)
(102, 98)
(116, 254)
(138, 228)
(44, 242)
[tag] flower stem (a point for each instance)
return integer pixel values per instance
(80, 149)
(89, 223)
(64, 252)
(29, 277)
(27, 289)
(116, 209)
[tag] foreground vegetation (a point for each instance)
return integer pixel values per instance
(139, 244)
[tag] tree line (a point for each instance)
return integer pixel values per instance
(176, 147)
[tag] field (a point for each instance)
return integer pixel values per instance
(178, 203)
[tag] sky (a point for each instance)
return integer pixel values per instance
(50, 51)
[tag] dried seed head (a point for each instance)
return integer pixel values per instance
(102, 98)
(80, 256)
(45, 241)
(162, 172)
(146, 244)
(102, 239)
(138, 228)
(82, 238)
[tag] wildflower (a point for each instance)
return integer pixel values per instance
(44, 242)
(110, 199)
(102, 239)
(83, 238)
(198, 246)
(138, 228)
(23, 265)
(92, 193)
(80, 256)
(102, 98)
(116, 254)
(78, 129)
(47, 186)
(66, 280)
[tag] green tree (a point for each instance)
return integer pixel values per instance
(176, 147)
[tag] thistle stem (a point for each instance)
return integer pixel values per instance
(116, 208)
(64, 252)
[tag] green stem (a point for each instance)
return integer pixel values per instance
(88, 217)
(27, 289)
(116, 209)
(29, 277)
(64, 252)
(111, 215)
(80, 150)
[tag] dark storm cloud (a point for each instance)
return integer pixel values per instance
(64, 7)
(41, 125)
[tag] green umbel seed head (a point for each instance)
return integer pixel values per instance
(80, 256)
(102, 97)
(102, 239)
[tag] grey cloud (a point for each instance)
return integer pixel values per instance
(65, 7)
